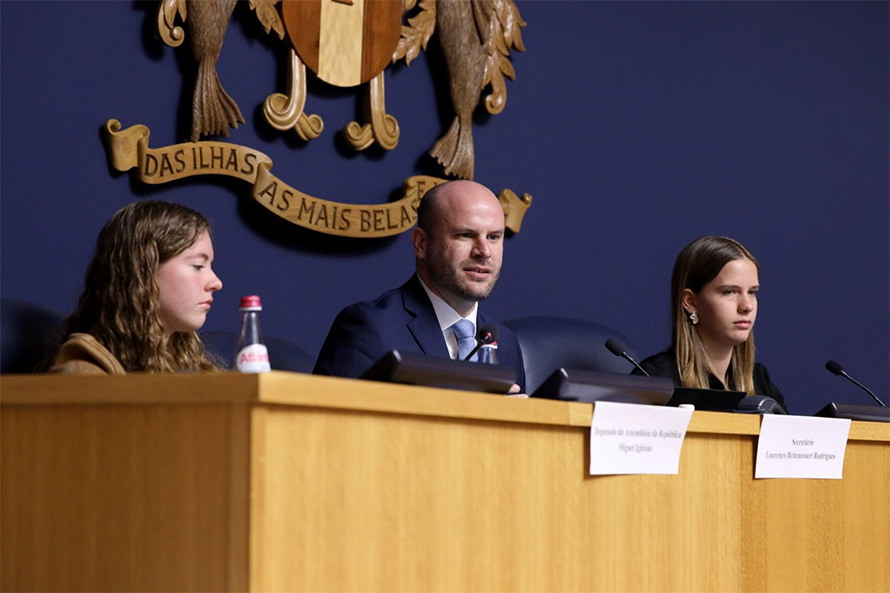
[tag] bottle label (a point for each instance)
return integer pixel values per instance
(253, 359)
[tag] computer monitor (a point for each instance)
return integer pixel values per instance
(709, 400)
(433, 371)
(591, 386)
(855, 412)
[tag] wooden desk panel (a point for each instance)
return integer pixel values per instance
(291, 482)
(111, 498)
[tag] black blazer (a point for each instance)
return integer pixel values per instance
(664, 364)
(401, 319)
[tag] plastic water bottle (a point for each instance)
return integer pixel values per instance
(252, 355)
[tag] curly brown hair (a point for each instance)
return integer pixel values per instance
(119, 304)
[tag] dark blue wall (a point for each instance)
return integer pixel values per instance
(636, 126)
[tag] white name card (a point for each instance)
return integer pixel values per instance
(636, 439)
(801, 447)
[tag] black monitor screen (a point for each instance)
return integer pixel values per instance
(433, 371)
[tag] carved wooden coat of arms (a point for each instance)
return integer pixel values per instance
(345, 43)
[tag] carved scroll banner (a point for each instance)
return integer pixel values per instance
(128, 149)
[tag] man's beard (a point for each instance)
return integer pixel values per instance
(449, 279)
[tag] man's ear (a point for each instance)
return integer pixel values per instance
(419, 239)
(688, 301)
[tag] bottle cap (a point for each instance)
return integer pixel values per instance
(251, 303)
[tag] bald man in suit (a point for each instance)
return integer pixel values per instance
(458, 247)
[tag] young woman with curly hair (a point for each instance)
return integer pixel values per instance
(147, 291)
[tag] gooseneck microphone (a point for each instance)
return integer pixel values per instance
(837, 369)
(487, 334)
(615, 347)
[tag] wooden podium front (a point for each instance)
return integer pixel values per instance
(289, 482)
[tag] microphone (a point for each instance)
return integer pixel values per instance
(487, 334)
(837, 369)
(615, 347)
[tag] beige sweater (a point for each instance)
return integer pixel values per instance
(82, 354)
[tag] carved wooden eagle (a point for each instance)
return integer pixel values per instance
(213, 110)
(476, 37)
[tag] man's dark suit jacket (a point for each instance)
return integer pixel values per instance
(402, 319)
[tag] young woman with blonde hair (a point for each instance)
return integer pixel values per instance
(714, 290)
(147, 291)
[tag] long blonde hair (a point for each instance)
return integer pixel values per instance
(119, 304)
(699, 263)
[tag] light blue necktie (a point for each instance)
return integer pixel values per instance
(466, 337)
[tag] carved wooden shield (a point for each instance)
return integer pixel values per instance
(345, 42)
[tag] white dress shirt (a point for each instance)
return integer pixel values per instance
(447, 316)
